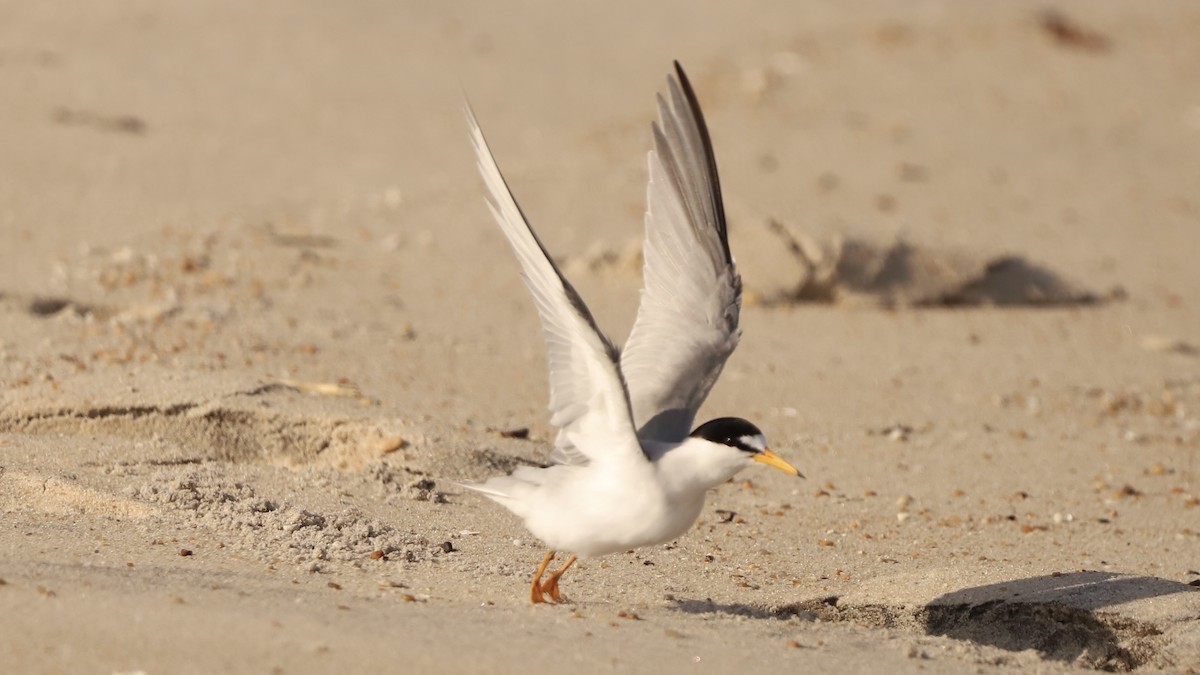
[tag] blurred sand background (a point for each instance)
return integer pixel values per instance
(255, 321)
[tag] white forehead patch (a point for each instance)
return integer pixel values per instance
(757, 442)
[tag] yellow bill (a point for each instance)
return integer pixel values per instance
(771, 459)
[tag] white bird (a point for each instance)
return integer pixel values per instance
(628, 470)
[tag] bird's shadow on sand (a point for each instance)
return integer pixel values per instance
(1063, 617)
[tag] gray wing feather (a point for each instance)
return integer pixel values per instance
(687, 324)
(588, 399)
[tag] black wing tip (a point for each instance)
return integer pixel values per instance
(679, 71)
(693, 102)
(689, 94)
(685, 83)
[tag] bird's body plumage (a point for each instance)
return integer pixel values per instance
(613, 507)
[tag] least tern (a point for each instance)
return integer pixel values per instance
(627, 468)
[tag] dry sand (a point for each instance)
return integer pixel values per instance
(255, 321)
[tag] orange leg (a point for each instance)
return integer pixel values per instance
(535, 592)
(551, 585)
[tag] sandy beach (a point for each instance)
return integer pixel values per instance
(256, 322)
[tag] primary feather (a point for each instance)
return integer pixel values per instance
(588, 399)
(687, 324)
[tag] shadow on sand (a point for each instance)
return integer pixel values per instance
(1062, 617)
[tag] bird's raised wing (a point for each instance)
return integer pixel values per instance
(588, 400)
(687, 325)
